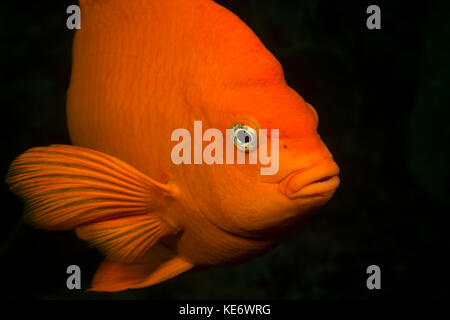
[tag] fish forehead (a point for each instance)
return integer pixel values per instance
(266, 107)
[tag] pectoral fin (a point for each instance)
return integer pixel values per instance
(67, 186)
(110, 204)
(161, 264)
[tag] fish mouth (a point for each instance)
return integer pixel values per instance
(320, 180)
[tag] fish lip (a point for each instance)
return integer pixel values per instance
(320, 180)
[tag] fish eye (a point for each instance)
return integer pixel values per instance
(244, 137)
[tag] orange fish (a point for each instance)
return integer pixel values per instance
(142, 69)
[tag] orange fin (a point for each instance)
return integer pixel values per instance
(161, 265)
(65, 187)
(124, 239)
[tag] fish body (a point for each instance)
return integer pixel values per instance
(141, 70)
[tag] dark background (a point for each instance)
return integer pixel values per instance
(383, 98)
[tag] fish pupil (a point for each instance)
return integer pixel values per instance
(243, 136)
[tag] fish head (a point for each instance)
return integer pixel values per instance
(240, 198)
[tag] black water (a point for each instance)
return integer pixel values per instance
(383, 100)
